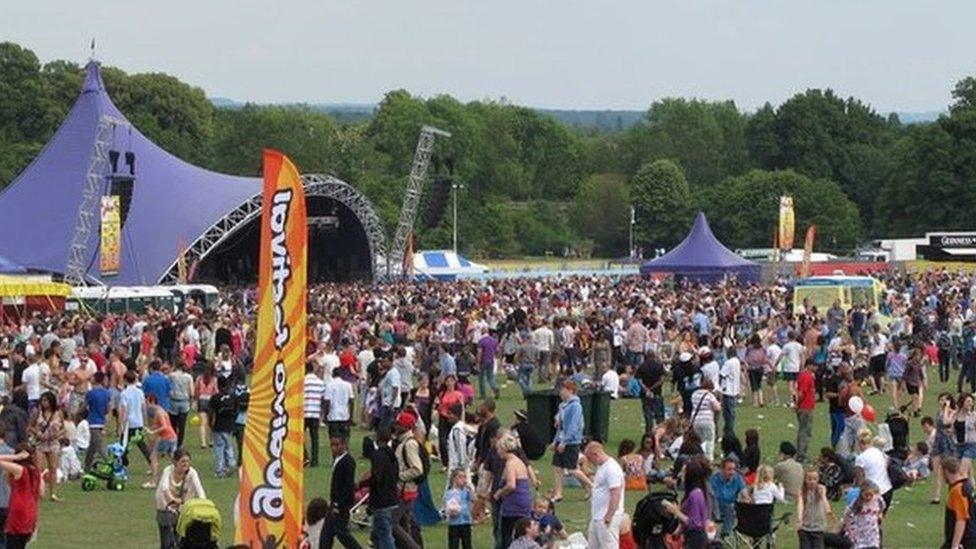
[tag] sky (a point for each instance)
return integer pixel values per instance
(897, 55)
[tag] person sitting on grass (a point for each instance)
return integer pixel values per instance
(550, 527)
(917, 465)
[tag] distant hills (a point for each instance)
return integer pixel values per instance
(600, 120)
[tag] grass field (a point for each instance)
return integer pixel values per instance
(128, 520)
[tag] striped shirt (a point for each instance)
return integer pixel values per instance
(701, 407)
(314, 393)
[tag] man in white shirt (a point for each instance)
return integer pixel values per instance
(313, 393)
(610, 382)
(544, 340)
(338, 400)
(606, 499)
(792, 358)
(32, 378)
(730, 381)
(773, 353)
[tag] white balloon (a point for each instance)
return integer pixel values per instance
(855, 404)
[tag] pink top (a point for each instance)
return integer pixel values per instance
(206, 390)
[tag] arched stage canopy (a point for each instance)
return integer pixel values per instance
(172, 201)
(701, 257)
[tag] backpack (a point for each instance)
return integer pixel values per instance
(532, 445)
(896, 474)
(424, 460)
(651, 521)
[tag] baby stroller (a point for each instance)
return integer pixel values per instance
(198, 525)
(359, 512)
(755, 526)
(652, 522)
(112, 470)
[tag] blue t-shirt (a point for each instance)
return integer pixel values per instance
(97, 402)
(549, 526)
(463, 497)
(133, 399)
(158, 384)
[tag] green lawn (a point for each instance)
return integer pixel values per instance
(127, 518)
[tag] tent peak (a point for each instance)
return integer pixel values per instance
(93, 78)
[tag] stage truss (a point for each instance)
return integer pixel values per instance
(319, 185)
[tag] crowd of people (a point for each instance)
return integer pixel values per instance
(418, 369)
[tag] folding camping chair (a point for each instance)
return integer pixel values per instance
(755, 526)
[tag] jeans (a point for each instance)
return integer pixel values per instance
(836, 427)
(804, 433)
(141, 445)
(223, 446)
(336, 526)
(728, 415)
(382, 533)
(706, 430)
(496, 524)
(544, 358)
(459, 535)
(968, 372)
(167, 533)
(726, 511)
(96, 448)
(944, 365)
(178, 410)
(525, 377)
(406, 531)
(312, 427)
(486, 374)
(653, 407)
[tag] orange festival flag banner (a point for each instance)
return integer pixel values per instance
(808, 250)
(271, 496)
(786, 223)
(110, 241)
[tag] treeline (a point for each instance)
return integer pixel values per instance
(534, 185)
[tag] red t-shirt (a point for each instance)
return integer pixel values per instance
(22, 510)
(806, 392)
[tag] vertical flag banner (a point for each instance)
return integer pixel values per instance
(786, 223)
(181, 261)
(110, 247)
(271, 496)
(808, 250)
(408, 258)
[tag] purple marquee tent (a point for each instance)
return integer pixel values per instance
(700, 256)
(171, 199)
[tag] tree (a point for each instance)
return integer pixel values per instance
(822, 135)
(707, 139)
(174, 115)
(662, 201)
(310, 138)
(601, 213)
(930, 186)
(744, 210)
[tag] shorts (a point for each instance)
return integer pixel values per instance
(966, 451)
(877, 365)
(894, 379)
(203, 405)
(755, 379)
(788, 376)
(912, 389)
(165, 447)
(568, 458)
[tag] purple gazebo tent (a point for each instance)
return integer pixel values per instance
(701, 257)
(171, 201)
